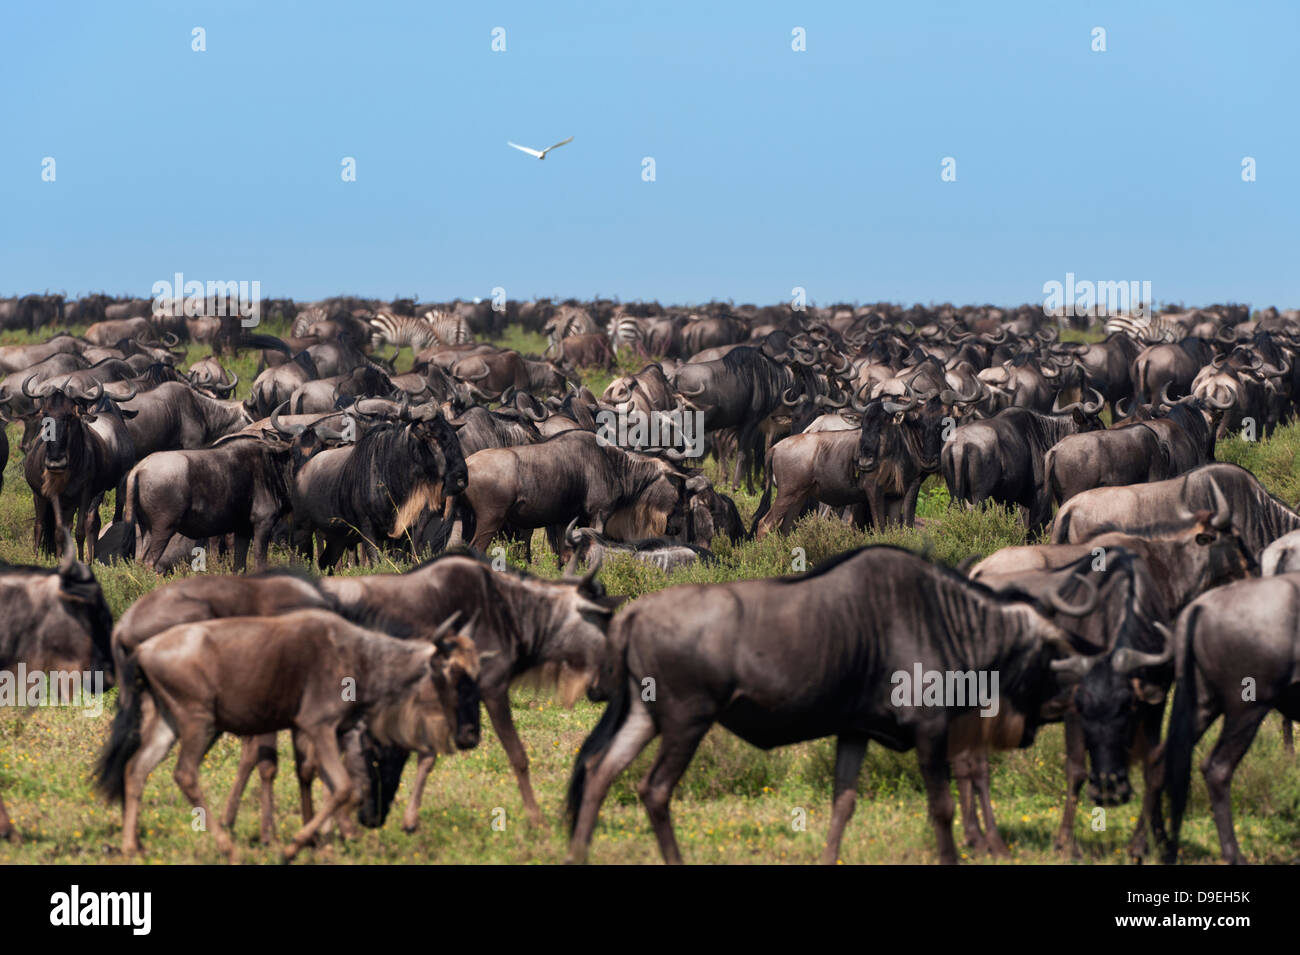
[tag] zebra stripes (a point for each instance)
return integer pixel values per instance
(408, 331)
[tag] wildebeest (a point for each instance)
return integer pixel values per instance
(590, 547)
(84, 451)
(175, 416)
(240, 487)
(526, 623)
(574, 474)
(56, 622)
(1236, 656)
(1145, 583)
(1259, 516)
(790, 659)
(257, 675)
(365, 492)
(1001, 459)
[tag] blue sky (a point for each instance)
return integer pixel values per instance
(774, 168)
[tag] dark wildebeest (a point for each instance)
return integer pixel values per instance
(574, 474)
(1236, 655)
(276, 385)
(56, 622)
(1001, 459)
(255, 675)
(1120, 700)
(174, 416)
(85, 450)
(526, 623)
(1259, 516)
(373, 489)
(240, 487)
(490, 374)
(1169, 365)
(740, 390)
(791, 659)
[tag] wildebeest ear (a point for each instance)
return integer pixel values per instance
(697, 483)
(590, 606)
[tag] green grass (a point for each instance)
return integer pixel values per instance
(735, 804)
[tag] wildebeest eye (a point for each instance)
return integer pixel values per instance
(1204, 539)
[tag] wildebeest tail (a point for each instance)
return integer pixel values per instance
(765, 503)
(124, 737)
(1054, 490)
(256, 340)
(594, 746)
(1182, 730)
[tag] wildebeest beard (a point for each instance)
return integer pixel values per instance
(54, 483)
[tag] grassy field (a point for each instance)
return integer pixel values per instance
(735, 804)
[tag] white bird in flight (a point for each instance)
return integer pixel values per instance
(534, 152)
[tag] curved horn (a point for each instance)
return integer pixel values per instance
(691, 394)
(569, 536)
(1119, 408)
(27, 381)
(127, 397)
(1125, 660)
(168, 335)
(1096, 405)
(590, 575)
(99, 393)
(1212, 399)
(293, 430)
(785, 398)
(224, 389)
(1085, 606)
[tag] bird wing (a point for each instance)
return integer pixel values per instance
(558, 145)
(525, 149)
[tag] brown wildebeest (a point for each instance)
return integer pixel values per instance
(310, 671)
(527, 623)
(55, 622)
(586, 351)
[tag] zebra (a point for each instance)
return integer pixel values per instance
(431, 328)
(625, 332)
(450, 328)
(305, 318)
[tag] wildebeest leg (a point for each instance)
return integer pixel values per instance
(932, 754)
(195, 740)
(1288, 741)
(1147, 743)
(7, 830)
(633, 736)
(261, 541)
(156, 738)
(680, 738)
(341, 794)
(423, 766)
(259, 752)
(963, 768)
(1238, 733)
(1076, 771)
(304, 762)
(849, 751)
(993, 844)
(92, 529)
(241, 553)
(498, 707)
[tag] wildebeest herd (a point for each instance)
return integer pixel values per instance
(1146, 581)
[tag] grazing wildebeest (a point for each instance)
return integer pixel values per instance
(256, 675)
(56, 622)
(574, 474)
(84, 451)
(1236, 656)
(1259, 516)
(791, 659)
(1001, 459)
(526, 623)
